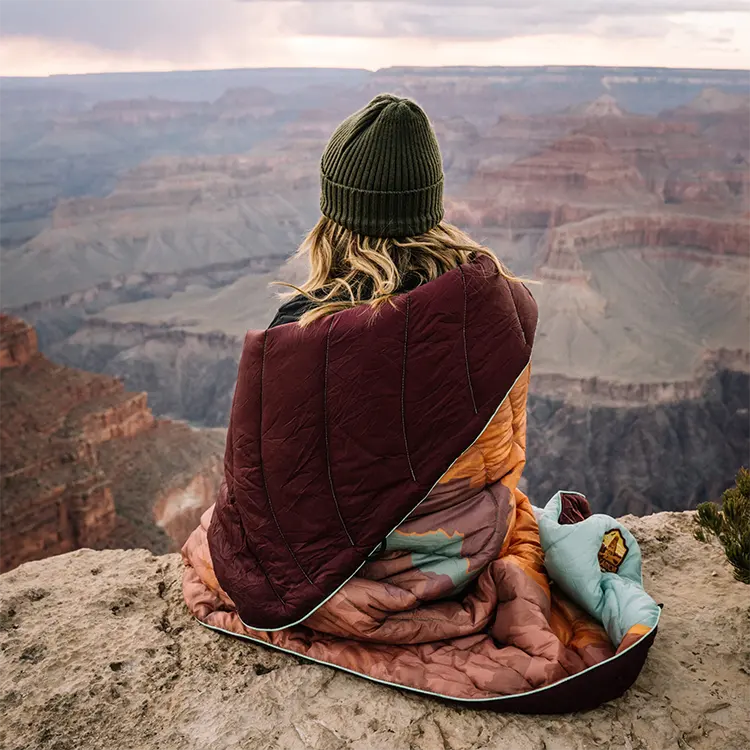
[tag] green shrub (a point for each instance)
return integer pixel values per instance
(730, 524)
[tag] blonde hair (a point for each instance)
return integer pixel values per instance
(348, 269)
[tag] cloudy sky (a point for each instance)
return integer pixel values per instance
(41, 37)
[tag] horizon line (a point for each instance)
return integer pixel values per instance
(375, 70)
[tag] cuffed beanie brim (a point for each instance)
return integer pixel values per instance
(379, 213)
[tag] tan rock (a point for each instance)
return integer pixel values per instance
(98, 651)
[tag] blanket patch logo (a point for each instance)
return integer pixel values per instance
(613, 551)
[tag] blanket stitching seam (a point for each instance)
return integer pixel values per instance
(252, 554)
(263, 471)
(403, 390)
(325, 432)
(522, 335)
(466, 349)
(231, 501)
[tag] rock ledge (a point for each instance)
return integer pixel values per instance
(97, 650)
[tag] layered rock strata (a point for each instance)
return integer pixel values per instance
(653, 231)
(72, 446)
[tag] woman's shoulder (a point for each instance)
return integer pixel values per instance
(292, 310)
(295, 307)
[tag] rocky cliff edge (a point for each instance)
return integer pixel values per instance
(97, 650)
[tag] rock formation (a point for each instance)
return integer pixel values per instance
(18, 342)
(717, 237)
(603, 106)
(715, 100)
(517, 214)
(168, 216)
(639, 456)
(642, 360)
(41, 102)
(140, 111)
(684, 158)
(97, 650)
(722, 117)
(75, 449)
(576, 162)
(566, 180)
(189, 373)
(247, 103)
(718, 187)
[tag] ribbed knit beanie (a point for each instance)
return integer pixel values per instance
(381, 172)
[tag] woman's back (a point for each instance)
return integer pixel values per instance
(341, 429)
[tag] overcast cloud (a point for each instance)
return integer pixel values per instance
(48, 35)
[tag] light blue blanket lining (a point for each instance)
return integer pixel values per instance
(571, 551)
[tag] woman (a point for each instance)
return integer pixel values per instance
(371, 517)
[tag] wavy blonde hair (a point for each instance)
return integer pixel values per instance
(348, 269)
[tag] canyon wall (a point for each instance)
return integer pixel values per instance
(723, 236)
(178, 509)
(55, 496)
(74, 448)
(608, 392)
(18, 342)
(575, 163)
(188, 375)
(640, 457)
(167, 219)
(515, 215)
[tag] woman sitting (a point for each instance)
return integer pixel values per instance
(371, 517)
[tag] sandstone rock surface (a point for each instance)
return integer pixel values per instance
(85, 464)
(666, 230)
(18, 342)
(572, 164)
(97, 650)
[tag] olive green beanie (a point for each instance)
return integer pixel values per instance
(381, 173)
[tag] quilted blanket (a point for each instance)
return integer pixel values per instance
(371, 518)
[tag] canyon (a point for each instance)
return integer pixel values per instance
(167, 217)
(85, 464)
(621, 195)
